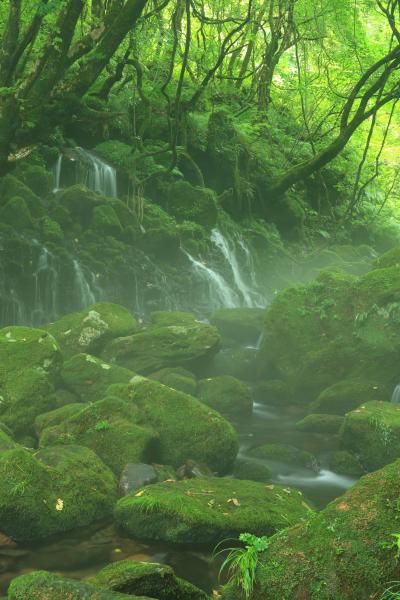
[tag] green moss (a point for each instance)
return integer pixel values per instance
(55, 490)
(315, 423)
(161, 239)
(164, 346)
(176, 378)
(274, 392)
(345, 463)
(37, 179)
(207, 510)
(226, 394)
(89, 377)
(165, 318)
(389, 259)
(109, 427)
(90, 329)
(16, 214)
(285, 453)
(344, 552)
(41, 585)
(251, 471)
(6, 442)
(56, 416)
(24, 347)
(79, 202)
(10, 187)
(188, 203)
(51, 230)
(105, 221)
(346, 395)
(186, 428)
(244, 325)
(116, 153)
(155, 580)
(372, 433)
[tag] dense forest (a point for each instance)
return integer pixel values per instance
(199, 299)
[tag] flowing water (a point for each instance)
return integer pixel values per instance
(396, 395)
(88, 169)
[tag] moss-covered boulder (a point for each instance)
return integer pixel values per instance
(188, 203)
(177, 378)
(90, 329)
(41, 585)
(345, 463)
(244, 325)
(79, 202)
(152, 579)
(158, 347)
(285, 453)
(105, 221)
(346, 395)
(57, 416)
(344, 552)
(186, 428)
(207, 510)
(336, 328)
(165, 318)
(237, 361)
(53, 490)
(30, 359)
(109, 427)
(16, 214)
(11, 187)
(251, 471)
(274, 392)
(226, 394)
(372, 433)
(315, 423)
(51, 230)
(37, 178)
(89, 377)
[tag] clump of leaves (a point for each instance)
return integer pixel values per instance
(241, 562)
(102, 426)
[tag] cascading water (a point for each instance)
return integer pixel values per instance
(45, 280)
(84, 290)
(88, 170)
(396, 395)
(250, 297)
(220, 294)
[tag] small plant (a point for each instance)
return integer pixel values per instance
(102, 426)
(392, 592)
(242, 562)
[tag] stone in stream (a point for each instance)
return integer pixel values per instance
(287, 454)
(141, 578)
(177, 378)
(226, 394)
(346, 551)
(41, 585)
(243, 325)
(206, 510)
(274, 392)
(347, 395)
(315, 423)
(346, 463)
(135, 476)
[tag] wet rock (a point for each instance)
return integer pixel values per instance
(89, 330)
(346, 395)
(192, 469)
(244, 325)
(135, 476)
(226, 394)
(344, 552)
(274, 392)
(315, 423)
(285, 453)
(252, 471)
(345, 463)
(155, 580)
(177, 378)
(372, 433)
(206, 510)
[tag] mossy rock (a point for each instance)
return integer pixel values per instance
(11, 187)
(109, 427)
(161, 238)
(346, 395)
(206, 510)
(55, 490)
(141, 578)
(274, 392)
(344, 552)
(188, 203)
(105, 221)
(90, 329)
(25, 347)
(56, 416)
(251, 471)
(16, 214)
(226, 394)
(244, 325)
(372, 433)
(158, 347)
(42, 585)
(187, 429)
(389, 259)
(165, 318)
(317, 423)
(345, 463)
(37, 179)
(89, 377)
(237, 361)
(51, 230)
(79, 202)
(176, 378)
(117, 153)
(285, 453)
(6, 441)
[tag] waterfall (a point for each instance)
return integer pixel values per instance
(45, 279)
(88, 170)
(85, 294)
(396, 395)
(220, 293)
(251, 297)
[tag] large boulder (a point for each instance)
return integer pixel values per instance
(346, 395)
(290, 455)
(335, 328)
(41, 585)
(177, 378)
(89, 330)
(161, 346)
(372, 433)
(53, 490)
(315, 423)
(346, 551)
(206, 510)
(188, 203)
(244, 325)
(157, 581)
(110, 428)
(186, 428)
(226, 394)
(30, 360)
(89, 377)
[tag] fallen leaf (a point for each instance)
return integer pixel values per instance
(59, 504)
(270, 487)
(234, 501)
(138, 494)
(170, 481)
